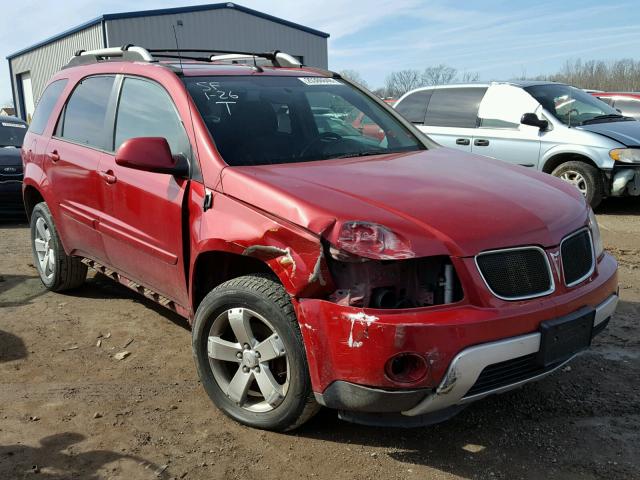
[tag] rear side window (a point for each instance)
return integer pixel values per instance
(146, 110)
(454, 107)
(45, 106)
(414, 106)
(84, 119)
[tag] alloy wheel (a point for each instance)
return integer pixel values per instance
(44, 248)
(248, 360)
(576, 179)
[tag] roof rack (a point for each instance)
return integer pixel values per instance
(140, 54)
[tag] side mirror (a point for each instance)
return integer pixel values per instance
(151, 154)
(533, 120)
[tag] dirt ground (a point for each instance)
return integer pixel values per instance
(70, 410)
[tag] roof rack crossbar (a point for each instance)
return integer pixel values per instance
(135, 53)
(126, 52)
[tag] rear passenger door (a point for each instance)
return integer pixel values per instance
(452, 115)
(143, 221)
(71, 164)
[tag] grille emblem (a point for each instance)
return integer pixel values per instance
(10, 169)
(555, 256)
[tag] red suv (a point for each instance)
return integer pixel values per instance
(391, 279)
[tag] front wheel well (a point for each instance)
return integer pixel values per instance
(557, 160)
(214, 268)
(31, 198)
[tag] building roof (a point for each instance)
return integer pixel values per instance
(167, 11)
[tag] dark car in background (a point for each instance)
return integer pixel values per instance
(12, 130)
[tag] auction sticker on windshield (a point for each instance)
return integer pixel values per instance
(319, 81)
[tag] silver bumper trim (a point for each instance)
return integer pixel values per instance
(466, 367)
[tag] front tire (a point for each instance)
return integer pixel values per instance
(250, 355)
(58, 271)
(585, 177)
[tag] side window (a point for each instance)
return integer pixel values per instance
(146, 110)
(45, 106)
(503, 106)
(454, 107)
(607, 100)
(629, 107)
(414, 106)
(84, 118)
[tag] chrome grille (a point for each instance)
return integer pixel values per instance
(578, 259)
(516, 273)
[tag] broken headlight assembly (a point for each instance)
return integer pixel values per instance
(373, 241)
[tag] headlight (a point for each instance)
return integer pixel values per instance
(595, 234)
(626, 155)
(371, 240)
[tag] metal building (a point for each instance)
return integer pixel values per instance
(223, 26)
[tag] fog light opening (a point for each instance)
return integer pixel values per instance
(406, 368)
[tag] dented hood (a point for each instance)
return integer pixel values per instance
(443, 201)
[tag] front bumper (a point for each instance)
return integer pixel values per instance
(459, 387)
(467, 366)
(11, 198)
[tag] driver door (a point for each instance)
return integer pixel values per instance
(500, 134)
(142, 224)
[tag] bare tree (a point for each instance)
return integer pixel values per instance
(621, 75)
(355, 77)
(399, 83)
(439, 75)
(470, 77)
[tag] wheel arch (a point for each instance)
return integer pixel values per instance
(214, 267)
(554, 161)
(31, 196)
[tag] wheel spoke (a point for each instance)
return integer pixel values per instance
(270, 389)
(239, 386)
(39, 245)
(51, 260)
(44, 262)
(42, 231)
(239, 319)
(220, 349)
(270, 348)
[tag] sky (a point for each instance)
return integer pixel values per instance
(497, 39)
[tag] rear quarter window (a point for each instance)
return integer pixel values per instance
(414, 106)
(454, 107)
(45, 106)
(84, 118)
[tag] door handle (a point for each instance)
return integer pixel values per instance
(463, 141)
(54, 156)
(481, 142)
(108, 176)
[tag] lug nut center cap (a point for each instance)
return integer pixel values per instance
(250, 359)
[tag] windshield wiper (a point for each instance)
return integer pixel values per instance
(361, 154)
(605, 117)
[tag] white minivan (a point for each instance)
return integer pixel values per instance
(552, 127)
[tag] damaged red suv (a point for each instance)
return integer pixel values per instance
(388, 278)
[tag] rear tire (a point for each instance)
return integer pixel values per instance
(585, 177)
(58, 271)
(250, 355)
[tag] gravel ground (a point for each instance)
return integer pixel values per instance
(70, 410)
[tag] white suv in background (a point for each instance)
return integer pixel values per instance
(552, 127)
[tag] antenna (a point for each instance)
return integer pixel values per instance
(208, 196)
(175, 36)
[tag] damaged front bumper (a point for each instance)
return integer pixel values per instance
(348, 347)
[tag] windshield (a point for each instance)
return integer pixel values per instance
(573, 106)
(261, 120)
(12, 133)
